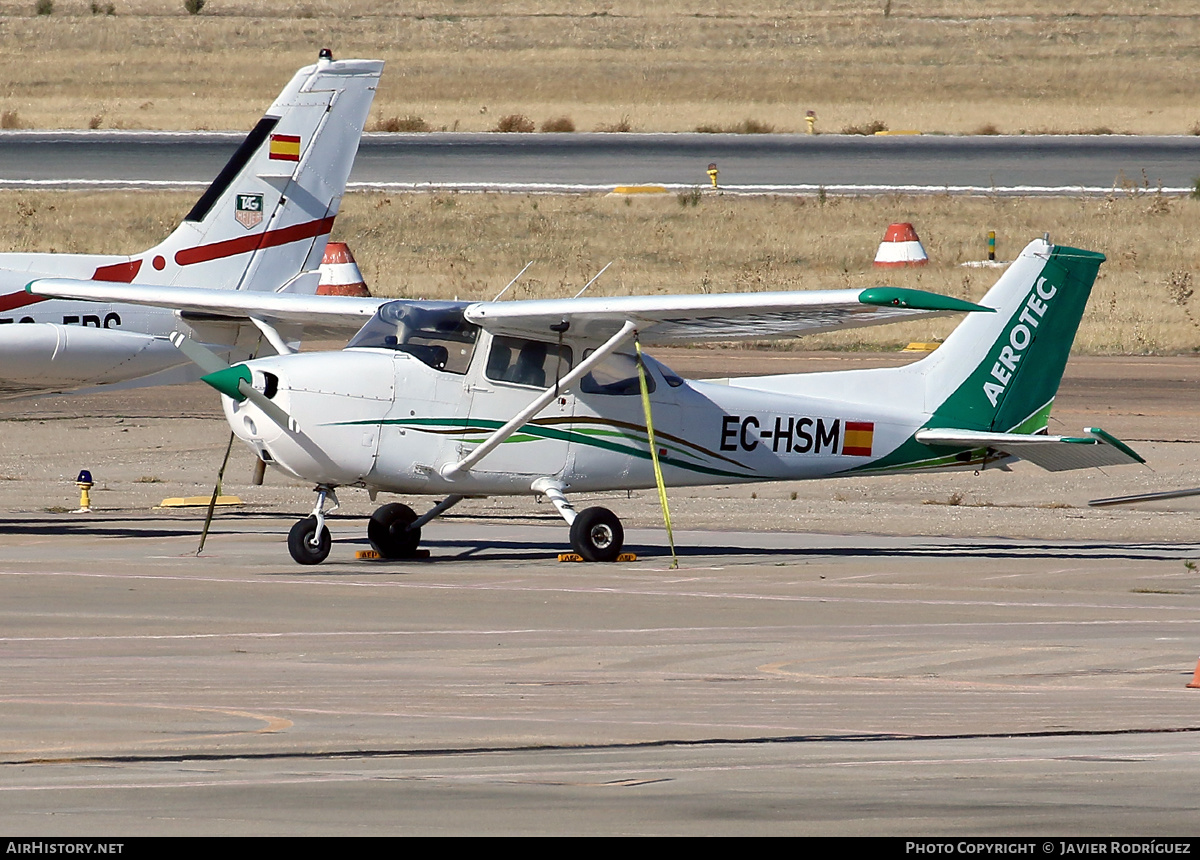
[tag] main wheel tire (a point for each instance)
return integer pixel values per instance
(597, 535)
(305, 546)
(389, 533)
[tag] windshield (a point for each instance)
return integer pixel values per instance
(435, 333)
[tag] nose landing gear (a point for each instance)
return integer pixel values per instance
(309, 540)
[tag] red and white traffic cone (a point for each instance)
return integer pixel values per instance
(339, 273)
(1195, 682)
(900, 247)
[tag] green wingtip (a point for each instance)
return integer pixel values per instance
(227, 379)
(920, 300)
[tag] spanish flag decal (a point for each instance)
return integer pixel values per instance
(285, 147)
(859, 436)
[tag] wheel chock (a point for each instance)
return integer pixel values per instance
(574, 556)
(372, 555)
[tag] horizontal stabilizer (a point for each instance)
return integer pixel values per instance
(1052, 453)
(344, 311)
(1144, 497)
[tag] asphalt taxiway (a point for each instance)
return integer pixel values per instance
(773, 683)
(903, 656)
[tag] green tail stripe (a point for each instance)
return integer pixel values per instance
(1020, 373)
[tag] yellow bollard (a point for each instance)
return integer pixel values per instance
(84, 483)
(712, 173)
(811, 119)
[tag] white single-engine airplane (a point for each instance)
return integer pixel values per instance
(260, 228)
(545, 397)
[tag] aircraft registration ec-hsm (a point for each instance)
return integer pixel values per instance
(458, 399)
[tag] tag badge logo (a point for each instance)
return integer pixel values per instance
(249, 210)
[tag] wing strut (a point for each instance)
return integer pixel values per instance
(451, 470)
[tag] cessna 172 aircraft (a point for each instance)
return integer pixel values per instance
(545, 397)
(260, 228)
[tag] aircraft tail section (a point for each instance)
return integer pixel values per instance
(263, 222)
(1000, 372)
(267, 215)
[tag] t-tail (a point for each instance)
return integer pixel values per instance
(263, 222)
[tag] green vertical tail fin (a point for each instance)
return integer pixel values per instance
(1001, 372)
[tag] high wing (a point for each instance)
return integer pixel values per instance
(337, 311)
(673, 319)
(659, 319)
(1052, 453)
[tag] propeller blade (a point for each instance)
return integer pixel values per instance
(208, 360)
(236, 382)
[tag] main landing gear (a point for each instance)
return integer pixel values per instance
(394, 530)
(596, 533)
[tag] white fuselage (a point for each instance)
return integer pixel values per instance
(383, 419)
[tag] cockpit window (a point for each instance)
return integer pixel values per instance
(527, 362)
(616, 374)
(435, 333)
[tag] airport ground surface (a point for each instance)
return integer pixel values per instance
(866, 658)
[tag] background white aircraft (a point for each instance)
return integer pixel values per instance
(544, 397)
(261, 227)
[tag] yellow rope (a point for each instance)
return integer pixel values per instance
(658, 476)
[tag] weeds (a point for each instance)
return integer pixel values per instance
(1179, 290)
(193, 7)
(514, 122)
(691, 197)
(987, 129)
(44, 7)
(622, 125)
(746, 126)
(561, 124)
(10, 119)
(404, 123)
(873, 127)
(103, 8)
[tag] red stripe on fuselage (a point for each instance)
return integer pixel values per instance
(120, 272)
(18, 300)
(247, 244)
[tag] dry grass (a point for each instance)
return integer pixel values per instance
(470, 245)
(673, 65)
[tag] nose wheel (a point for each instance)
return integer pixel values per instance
(309, 539)
(306, 544)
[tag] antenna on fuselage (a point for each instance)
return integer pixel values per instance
(513, 281)
(593, 280)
